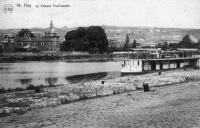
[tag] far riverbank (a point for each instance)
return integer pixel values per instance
(59, 56)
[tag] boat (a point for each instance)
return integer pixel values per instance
(143, 60)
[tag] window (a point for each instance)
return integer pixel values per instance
(138, 63)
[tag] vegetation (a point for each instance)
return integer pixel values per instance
(185, 43)
(134, 44)
(37, 89)
(25, 33)
(92, 39)
(127, 41)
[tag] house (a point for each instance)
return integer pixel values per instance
(48, 43)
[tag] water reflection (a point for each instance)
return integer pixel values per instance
(92, 76)
(25, 81)
(14, 75)
(86, 77)
(51, 81)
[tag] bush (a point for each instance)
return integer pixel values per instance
(18, 104)
(83, 97)
(189, 78)
(2, 90)
(38, 89)
(52, 85)
(18, 89)
(31, 87)
(115, 92)
(9, 90)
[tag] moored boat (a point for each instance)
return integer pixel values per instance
(142, 60)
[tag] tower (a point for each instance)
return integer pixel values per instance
(52, 29)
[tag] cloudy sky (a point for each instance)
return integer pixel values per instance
(150, 13)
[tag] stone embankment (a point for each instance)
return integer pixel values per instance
(20, 102)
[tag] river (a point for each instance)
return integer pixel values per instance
(23, 74)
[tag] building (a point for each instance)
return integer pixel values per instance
(47, 43)
(7, 43)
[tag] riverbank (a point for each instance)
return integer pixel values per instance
(20, 102)
(17, 57)
(174, 106)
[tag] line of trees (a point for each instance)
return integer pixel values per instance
(128, 45)
(125, 47)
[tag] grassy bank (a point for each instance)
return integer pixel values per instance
(22, 101)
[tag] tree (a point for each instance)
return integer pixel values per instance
(165, 46)
(1, 49)
(134, 44)
(92, 39)
(112, 48)
(159, 45)
(25, 33)
(186, 42)
(174, 45)
(127, 40)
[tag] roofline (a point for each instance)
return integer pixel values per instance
(145, 49)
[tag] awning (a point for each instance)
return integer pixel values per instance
(29, 47)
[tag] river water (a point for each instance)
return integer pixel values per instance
(23, 74)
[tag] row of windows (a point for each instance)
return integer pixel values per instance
(154, 52)
(36, 43)
(42, 48)
(7, 45)
(133, 63)
(49, 49)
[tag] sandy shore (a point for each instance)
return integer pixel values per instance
(21, 102)
(174, 106)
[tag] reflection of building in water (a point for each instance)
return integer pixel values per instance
(48, 42)
(51, 81)
(25, 81)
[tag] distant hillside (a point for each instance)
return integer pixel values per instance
(143, 35)
(146, 35)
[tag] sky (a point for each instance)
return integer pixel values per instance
(134, 13)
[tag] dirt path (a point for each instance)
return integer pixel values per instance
(170, 106)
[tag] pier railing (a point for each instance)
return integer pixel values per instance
(163, 56)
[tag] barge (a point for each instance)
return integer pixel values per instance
(142, 60)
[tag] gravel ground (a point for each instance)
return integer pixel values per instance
(23, 101)
(174, 106)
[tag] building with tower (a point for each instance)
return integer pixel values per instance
(48, 43)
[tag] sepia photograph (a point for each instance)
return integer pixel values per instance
(99, 63)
